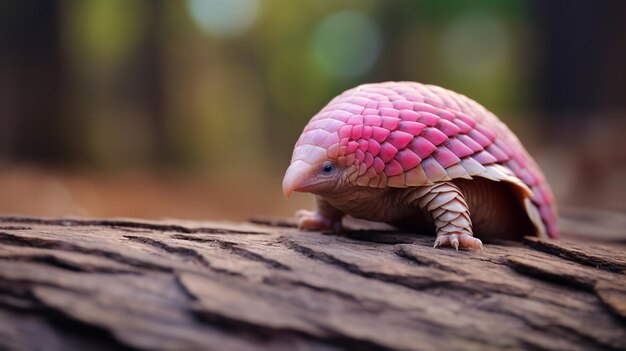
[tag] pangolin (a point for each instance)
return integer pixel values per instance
(419, 157)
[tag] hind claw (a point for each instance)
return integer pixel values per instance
(441, 240)
(454, 241)
(462, 241)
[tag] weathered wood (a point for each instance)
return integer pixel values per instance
(100, 284)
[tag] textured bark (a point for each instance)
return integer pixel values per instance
(99, 284)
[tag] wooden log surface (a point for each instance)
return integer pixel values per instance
(94, 284)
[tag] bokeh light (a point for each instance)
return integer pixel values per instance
(223, 18)
(91, 34)
(475, 44)
(346, 44)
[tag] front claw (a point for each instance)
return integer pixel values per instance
(308, 220)
(463, 241)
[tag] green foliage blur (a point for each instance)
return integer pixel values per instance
(224, 87)
(233, 98)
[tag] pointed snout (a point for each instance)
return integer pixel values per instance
(297, 176)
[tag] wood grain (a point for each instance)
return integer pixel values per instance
(69, 284)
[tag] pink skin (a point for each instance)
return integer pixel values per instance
(408, 135)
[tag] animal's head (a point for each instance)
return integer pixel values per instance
(320, 163)
(361, 138)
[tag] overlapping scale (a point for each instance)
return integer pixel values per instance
(402, 134)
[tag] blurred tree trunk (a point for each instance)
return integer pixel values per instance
(32, 83)
(150, 65)
(581, 86)
(581, 66)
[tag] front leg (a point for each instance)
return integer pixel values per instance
(444, 205)
(324, 217)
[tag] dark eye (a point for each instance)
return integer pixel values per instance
(328, 168)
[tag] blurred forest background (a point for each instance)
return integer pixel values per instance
(190, 109)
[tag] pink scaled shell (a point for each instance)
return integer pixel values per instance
(404, 134)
